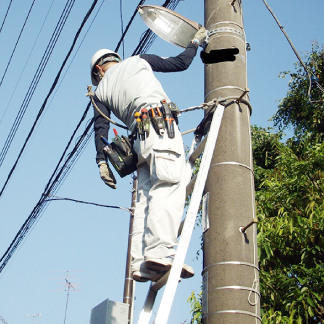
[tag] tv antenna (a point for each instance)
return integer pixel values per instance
(33, 315)
(68, 286)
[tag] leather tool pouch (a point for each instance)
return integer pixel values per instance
(121, 155)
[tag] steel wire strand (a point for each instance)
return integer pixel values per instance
(48, 95)
(13, 52)
(36, 79)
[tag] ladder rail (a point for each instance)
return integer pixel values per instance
(196, 187)
(171, 286)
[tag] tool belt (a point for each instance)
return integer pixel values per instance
(162, 118)
(121, 155)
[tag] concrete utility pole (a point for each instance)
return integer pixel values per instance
(230, 274)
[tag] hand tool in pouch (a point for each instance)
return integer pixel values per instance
(145, 123)
(168, 119)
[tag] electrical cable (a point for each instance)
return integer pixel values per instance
(4, 19)
(56, 180)
(21, 31)
(56, 198)
(48, 95)
(36, 79)
(128, 25)
(50, 189)
(22, 71)
(309, 74)
(122, 24)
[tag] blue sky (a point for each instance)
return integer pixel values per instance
(90, 242)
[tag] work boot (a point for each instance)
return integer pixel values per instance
(165, 264)
(141, 276)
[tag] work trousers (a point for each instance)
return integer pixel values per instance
(160, 197)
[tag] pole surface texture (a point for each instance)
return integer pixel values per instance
(129, 284)
(230, 264)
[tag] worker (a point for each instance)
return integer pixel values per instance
(125, 88)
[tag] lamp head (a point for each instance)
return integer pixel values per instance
(169, 25)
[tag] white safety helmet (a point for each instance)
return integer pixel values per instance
(101, 55)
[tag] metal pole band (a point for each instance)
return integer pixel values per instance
(225, 87)
(231, 262)
(225, 23)
(234, 163)
(235, 312)
(238, 288)
(226, 30)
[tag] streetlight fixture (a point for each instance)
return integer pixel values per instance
(169, 25)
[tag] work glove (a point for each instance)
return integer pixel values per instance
(201, 36)
(106, 174)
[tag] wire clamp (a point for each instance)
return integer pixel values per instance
(243, 229)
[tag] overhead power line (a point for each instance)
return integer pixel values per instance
(13, 52)
(36, 78)
(4, 19)
(52, 186)
(56, 180)
(23, 69)
(48, 95)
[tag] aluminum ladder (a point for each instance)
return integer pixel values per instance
(196, 187)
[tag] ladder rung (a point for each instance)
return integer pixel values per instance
(156, 286)
(191, 185)
(195, 154)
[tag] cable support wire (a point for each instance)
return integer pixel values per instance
(56, 198)
(50, 92)
(312, 78)
(21, 31)
(41, 67)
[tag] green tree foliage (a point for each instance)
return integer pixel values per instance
(290, 209)
(302, 108)
(289, 185)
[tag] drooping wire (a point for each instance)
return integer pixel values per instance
(37, 76)
(22, 71)
(48, 95)
(13, 52)
(56, 198)
(5, 17)
(310, 75)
